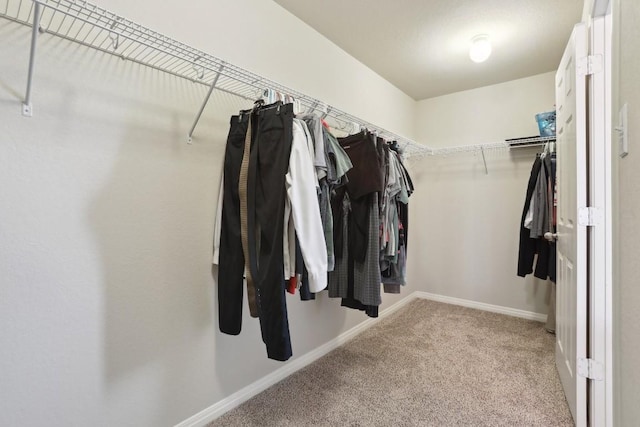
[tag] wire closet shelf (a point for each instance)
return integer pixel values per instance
(95, 27)
(85, 23)
(508, 144)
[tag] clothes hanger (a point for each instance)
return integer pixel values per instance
(326, 113)
(545, 151)
(261, 107)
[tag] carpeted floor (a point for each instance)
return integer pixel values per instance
(430, 364)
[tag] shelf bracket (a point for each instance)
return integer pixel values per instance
(27, 108)
(204, 104)
(484, 159)
(115, 37)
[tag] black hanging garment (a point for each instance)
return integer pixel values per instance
(545, 263)
(356, 277)
(262, 173)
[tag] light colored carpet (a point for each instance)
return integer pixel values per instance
(430, 364)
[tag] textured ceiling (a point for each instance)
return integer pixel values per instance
(421, 46)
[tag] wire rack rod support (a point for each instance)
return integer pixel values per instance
(204, 103)
(27, 108)
(484, 160)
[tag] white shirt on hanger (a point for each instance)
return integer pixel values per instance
(301, 183)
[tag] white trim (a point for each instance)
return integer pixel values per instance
(529, 315)
(217, 409)
(600, 175)
(608, 303)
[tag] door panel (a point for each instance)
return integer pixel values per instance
(571, 303)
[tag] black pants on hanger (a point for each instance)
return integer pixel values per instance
(268, 165)
(231, 261)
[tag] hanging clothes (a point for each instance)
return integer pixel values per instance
(266, 163)
(356, 278)
(229, 246)
(394, 222)
(333, 175)
(301, 184)
(301, 210)
(338, 164)
(538, 218)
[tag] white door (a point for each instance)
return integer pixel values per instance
(571, 303)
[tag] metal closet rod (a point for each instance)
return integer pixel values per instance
(95, 27)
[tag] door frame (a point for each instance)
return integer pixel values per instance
(600, 273)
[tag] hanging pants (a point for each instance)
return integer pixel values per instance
(231, 260)
(271, 138)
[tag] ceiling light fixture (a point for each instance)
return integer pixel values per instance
(480, 48)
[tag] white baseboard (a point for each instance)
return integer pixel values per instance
(529, 315)
(216, 410)
(212, 412)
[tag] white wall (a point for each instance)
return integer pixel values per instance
(107, 303)
(486, 114)
(626, 297)
(465, 227)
